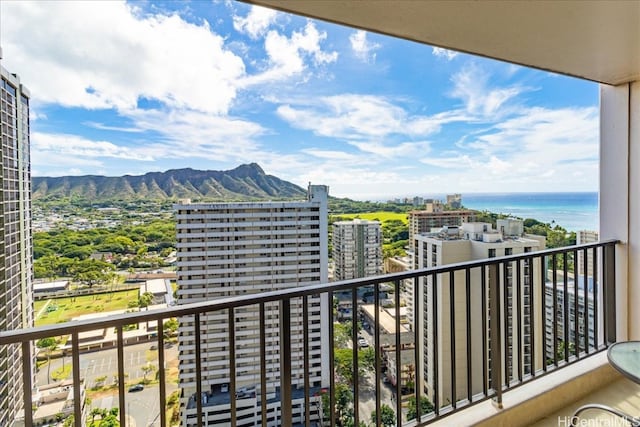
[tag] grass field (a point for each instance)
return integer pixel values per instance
(85, 304)
(377, 216)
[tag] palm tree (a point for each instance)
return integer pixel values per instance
(144, 301)
(53, 346)
(147, 369)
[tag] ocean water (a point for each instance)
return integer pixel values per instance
(573, 211)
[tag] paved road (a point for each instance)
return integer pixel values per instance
(367, 397)
(100, 363)
(142, 408)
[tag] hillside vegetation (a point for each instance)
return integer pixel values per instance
(246, 182)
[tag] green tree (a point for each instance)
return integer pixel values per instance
(50, 344)
(387, 416)
(344, 404)
(170, 326)
(425, 407)
(343, 363)
(92, 271)
(95, 412)
(367, 359)
(45, 342)
(145, 299)
(560, 352)
(341, 334)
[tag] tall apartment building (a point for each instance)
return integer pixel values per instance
(583, 237)
(434, 216)
(472, 241)
(576, 324)
(454, 201)
(16, 298)
(227, 249)
(357, 249)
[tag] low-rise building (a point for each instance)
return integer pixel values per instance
(53, 403)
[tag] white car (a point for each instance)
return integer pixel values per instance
(362, 343)
(224, 388)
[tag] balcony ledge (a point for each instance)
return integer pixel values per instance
(540, 398)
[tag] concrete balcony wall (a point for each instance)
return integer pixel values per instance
(620, 196)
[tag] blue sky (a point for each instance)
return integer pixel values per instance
(128, 88)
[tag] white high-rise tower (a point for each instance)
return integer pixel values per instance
(227, 249)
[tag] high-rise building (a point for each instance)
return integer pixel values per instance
(576, 324)
(434, 216)
(473, 241)
(454, 201)
(16, 298)
(357, 249)
(228, 249)
(584, 237)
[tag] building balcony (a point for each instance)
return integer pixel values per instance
(481, 347)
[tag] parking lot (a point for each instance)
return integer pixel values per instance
(104, 363)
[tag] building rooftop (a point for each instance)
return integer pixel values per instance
(387, 319)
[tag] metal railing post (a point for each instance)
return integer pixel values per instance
(198, 351)
(26, 381)
(75, 363)
(495, 362)
(332, 376)
(263, 365)
(609, 294)
(354, 356)
(120, 341)
(162, 375)
(286, 414)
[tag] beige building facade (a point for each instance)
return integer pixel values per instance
(16, 253)
(472, 241)
(436, 217)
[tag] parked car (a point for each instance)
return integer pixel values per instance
(224, 388)
(362, 343)
(136, 387)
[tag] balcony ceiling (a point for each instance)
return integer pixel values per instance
(595, 40)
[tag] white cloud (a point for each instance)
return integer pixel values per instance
(444, 53)
(64, 164)
(357, 117)
(102, 126)
(471, 85)
(402, 150)
(77, 147)
(105, 55)
(334, 155)
(195, 134)
(456, 162)
(537, 149)
(286, 55)
(178, 135)
(362, 48)
(555, 134)
(256, 22)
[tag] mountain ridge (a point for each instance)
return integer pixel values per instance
(245, 182)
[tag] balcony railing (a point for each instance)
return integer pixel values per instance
(474, 331)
